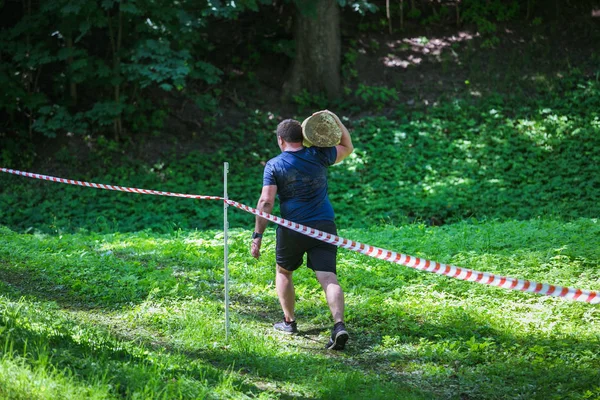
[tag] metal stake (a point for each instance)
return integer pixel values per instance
(225, 248)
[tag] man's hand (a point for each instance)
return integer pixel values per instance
(255, 248)
(265, 204)
(345, 147)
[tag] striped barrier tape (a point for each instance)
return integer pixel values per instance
(107, 187)
(421, 264)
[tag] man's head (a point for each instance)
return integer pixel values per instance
(290, 131)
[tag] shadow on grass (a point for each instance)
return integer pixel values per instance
(147, 364)
(130, 367)
(74, 288)
(486, 362)
(464, 357)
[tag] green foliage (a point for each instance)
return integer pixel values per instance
(104, 113)
(308, 101)
(167, 65)
(285, 47)
(462, 159)
(84, 67)
(206, 72)
(497, 10)
(16, 151)
(363, 7)
(145, 117)
(376, 96)
(485, 14)
(490, 158)
(437, 17)
(414, 13)
(349, 71)
(53, 119)
(482, 14)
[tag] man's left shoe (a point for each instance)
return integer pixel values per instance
(339, 337)
(286, 327)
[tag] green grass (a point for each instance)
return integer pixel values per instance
(141, 315)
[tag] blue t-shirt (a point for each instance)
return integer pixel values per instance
(301, 180)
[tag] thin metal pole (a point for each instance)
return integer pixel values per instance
(225, 248)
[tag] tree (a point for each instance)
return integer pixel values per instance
(88, 66)
(316, 67)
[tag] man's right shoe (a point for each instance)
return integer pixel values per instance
(339, 337)
(286, 327)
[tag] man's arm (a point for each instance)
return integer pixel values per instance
(265, 204)
(345, 148)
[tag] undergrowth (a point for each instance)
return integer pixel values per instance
(495, 157)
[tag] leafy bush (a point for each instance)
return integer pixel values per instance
(376, 96)
(63, 70)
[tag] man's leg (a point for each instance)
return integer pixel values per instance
(333, 293)
(285, 291)
(335, 298)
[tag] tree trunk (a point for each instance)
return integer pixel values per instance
(317, 64)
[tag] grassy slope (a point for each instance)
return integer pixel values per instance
(121, 315)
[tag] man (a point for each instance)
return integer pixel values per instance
(299, 177)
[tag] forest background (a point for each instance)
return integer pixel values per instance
(468, 109)
(476, 125)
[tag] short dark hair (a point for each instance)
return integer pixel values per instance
(290, 131)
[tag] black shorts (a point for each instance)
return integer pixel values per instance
(292, 245)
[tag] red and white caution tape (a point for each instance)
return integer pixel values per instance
(107, 187)
(452, 271)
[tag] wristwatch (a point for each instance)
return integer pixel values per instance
(256, 235)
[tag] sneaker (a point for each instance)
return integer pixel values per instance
(286, 327)
(339, 337)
